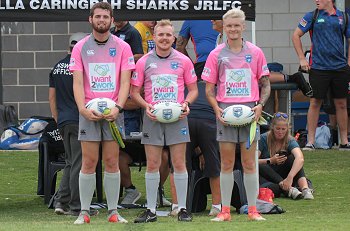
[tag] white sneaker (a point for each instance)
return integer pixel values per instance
(214, 211)
(131, 196)
(174, 211)
(307, 194)
(294, 193)
(114, 217)
(83, 218)
(166, 203)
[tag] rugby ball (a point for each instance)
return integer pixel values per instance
(238, 115)
(99, 105)
(167, 112)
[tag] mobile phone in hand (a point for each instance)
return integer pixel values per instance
(282, 153)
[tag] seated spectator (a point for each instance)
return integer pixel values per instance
(281, 161)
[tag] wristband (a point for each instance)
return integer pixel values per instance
(188, 103)
(119, 108)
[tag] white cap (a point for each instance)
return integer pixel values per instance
(76, 37)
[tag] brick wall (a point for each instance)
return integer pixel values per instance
(30, 49)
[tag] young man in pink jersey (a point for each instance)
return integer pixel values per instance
(101, 64)
(163, 73)
(238, 68)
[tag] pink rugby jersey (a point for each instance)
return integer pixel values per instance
(236, 74)
(101, 65)
(164, 79)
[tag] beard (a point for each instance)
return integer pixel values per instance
(101, 28)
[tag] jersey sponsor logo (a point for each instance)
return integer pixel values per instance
(102, 77)
(193, 73)
(248, 58)
(225, 59)
(206, 71)
(72, 62)
(90, 52)
(131, 60)
(265, 69)
(320, 20)
(112, 52)
(238, 83)
(174, 65)
(341, 20)
(134, 75)
(122, 37)
(101, 69)
(153, 65)
(183, 131)
(303, 22)
(164, 87)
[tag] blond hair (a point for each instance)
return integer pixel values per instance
(271, 137)
(162, 23)
(234, 13)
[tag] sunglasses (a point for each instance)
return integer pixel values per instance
(279, 115)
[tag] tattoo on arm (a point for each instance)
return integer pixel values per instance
(179, 41)
(265, 91)
(211, 93)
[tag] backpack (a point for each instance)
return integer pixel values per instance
(323, 138)
(300, 136)
(24, 137)
(8, 117)
(263, 207)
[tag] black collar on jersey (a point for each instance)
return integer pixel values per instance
(101, 43)
(161, 57)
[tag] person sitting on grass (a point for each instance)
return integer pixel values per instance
(281, 160)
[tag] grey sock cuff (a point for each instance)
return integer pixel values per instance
(182, 175)
(87, 176)
(112, 174)
(152, 175)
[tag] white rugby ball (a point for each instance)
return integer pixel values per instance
(99, 105)
(167, 112)
(238, 115)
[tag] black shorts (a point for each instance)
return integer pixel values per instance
(328, 104)
(335, 80)
(198, 68)
(203, 135)
(135, 150)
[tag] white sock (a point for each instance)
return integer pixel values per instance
(217, 206)
(181, 183)
(112, 187)
(251, 188)
(152, 184)
(226, 186)
(87, 184)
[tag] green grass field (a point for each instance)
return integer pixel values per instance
(22, 209)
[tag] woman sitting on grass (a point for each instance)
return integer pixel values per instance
(281, 161)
